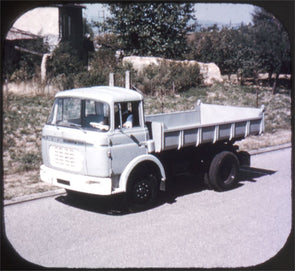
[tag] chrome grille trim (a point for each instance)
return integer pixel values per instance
(65, 158)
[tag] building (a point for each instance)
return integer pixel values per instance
(54, 24)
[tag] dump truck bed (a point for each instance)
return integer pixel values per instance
(207, 123)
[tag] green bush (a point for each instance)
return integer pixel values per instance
(19, 65)
(65, 60)
(29, 161)
(64, 64)
(92, 78)
(101, 64)
(67, 71)
(169, 77)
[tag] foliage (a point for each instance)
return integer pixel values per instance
(231, 49)
(272, 42)
(108, 41)
(154, 29)
(247, 50)
(87, 28)
(161, 29)
(101, 64)
(22, 66)
(64, 64)
(65, 61)
(22, 126)
(168, 77)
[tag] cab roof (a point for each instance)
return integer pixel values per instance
(102, 93)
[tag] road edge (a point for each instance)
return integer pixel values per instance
(271, 148)
(62, 191)
(34, 196)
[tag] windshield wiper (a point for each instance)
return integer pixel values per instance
(74, 124)
(69, 124)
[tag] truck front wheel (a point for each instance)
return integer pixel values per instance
(223, 171)
(142, 190)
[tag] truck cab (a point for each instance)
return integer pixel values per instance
(94, 139)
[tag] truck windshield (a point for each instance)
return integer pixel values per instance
(80, 113)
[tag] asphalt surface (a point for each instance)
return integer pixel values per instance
(190, 227)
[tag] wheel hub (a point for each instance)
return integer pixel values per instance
(142, 191)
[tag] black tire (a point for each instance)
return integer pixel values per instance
(142, 190)
(207, 182)
(244, 158)
(223, 171)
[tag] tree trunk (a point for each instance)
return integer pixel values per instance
(274, 86)
(269, 78)
(242, 80)
(255, 78)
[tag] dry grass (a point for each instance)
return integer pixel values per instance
(277, 107)
(24, 117)
(265, 140)
(25, 183)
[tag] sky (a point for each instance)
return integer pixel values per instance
(205, 13)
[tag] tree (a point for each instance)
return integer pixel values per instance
(245, 53)
(272, 44)
(154, 29)
(87, 28)
(22, 64)
(231, 49)
(65, 63)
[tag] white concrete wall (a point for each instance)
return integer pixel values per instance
(39, 21)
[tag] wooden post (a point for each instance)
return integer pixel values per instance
(257, 97)
(43, 67)
(162, 100)
(127, 80)
(173, 87)
(6, 93)
(112, 79)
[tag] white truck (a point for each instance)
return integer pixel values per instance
(98, 140)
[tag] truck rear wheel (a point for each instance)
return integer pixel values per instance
(223, 171)
(142, 190)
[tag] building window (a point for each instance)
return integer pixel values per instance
(66, 26)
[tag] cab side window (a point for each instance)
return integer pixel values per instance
(127, 115)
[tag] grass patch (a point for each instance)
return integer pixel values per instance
(277, 107)
(23, 119)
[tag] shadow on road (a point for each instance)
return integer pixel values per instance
(178, 186)
(250, 173)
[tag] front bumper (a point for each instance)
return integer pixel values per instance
(76, 182)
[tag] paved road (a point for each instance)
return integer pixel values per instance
(191, 227)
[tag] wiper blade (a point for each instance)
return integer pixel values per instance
(75, 125)
(68, 124)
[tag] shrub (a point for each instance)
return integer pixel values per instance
(102, 63)
(169, 77)
(29, 161)
(64, 64)
(65, 60)
(20, 65)
(90, 78)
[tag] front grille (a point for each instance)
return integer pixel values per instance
(65, 158)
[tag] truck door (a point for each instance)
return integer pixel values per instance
(63, 139)
(127, 141)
